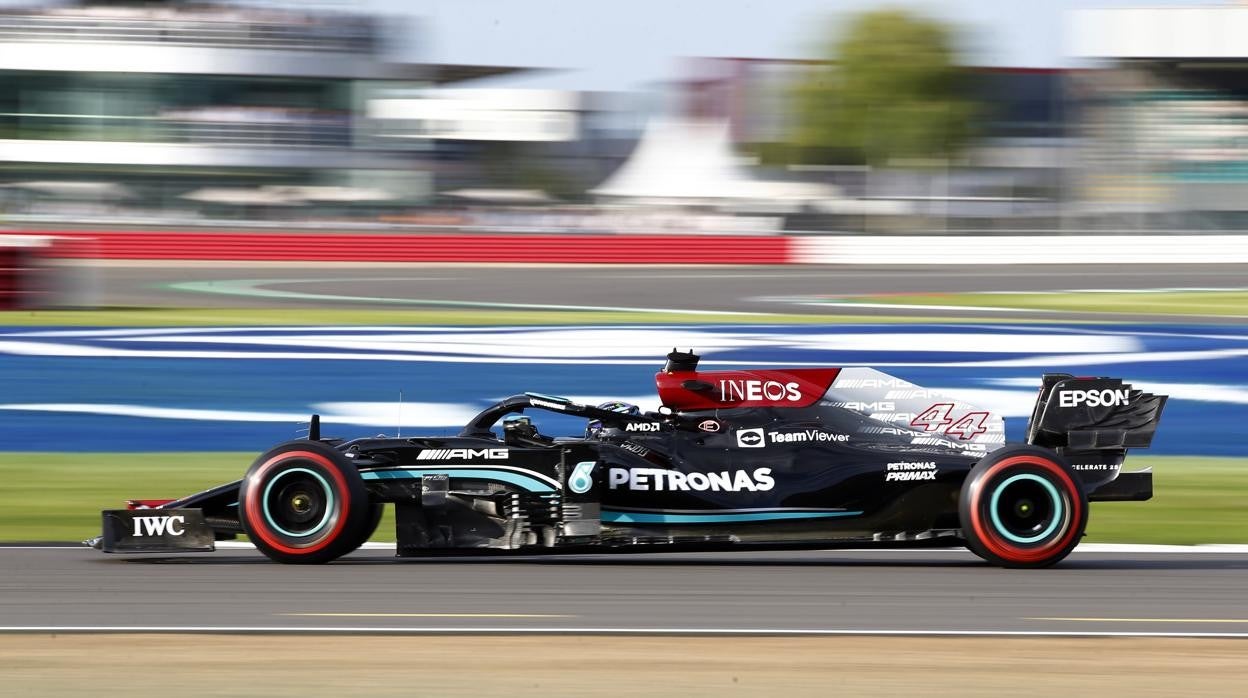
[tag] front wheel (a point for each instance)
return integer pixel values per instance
(1022, 506)
(302, 502)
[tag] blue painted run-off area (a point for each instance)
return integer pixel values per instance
(214, 389)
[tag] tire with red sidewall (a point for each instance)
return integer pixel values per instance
(1022, 506)
(303, 502)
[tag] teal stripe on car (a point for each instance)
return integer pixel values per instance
(522, 481)
(614, 516)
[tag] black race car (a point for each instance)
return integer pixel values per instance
(741, 459)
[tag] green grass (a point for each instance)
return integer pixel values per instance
(1195, 500)
(1176, 303)
(199, 317)
(58, 496)
(1179, 303)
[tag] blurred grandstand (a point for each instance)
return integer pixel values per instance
(1166, 131)
(118, 112)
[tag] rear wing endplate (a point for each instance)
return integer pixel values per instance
(1084, 414)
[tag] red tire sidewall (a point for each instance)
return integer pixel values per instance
(989, 538)
(253, 501)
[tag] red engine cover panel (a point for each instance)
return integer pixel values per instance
(709, 390)
(146, 503)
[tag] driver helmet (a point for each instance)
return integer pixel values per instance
(595, 428)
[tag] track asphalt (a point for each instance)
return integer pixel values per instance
(722, 289)
(936, 592)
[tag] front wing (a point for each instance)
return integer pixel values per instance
(155, 531)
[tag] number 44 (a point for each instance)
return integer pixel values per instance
(940, 415)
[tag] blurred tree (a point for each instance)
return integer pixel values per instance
(890, 90)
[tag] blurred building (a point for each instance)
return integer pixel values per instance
(207, 110)
(1013, 174)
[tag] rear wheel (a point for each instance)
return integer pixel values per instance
(302, 502)
(1022, 506)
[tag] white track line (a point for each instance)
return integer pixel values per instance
(362, 630)
(1207, 549)
(1125, 548)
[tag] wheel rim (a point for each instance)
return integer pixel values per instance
(1026, 509)
(298, 502)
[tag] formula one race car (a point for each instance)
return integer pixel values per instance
(741, 459)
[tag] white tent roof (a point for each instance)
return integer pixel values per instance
(693, 161)
(240, 196)
(516, 196)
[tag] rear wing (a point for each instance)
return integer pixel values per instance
(1092, 422)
